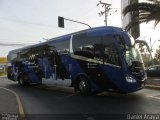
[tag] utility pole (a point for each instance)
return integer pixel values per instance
(106, 10)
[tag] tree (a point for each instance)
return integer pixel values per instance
(148, 11)
(146, 57)
(141, 47)
(157, 56)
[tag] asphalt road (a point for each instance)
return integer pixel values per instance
(62, 104)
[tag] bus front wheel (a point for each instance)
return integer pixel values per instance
(84, 86)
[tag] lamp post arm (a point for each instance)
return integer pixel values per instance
(77, 22)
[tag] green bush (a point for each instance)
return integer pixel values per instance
(2, 73)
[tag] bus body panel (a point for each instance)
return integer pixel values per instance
(96, 54)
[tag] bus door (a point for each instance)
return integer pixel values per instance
(99, 57)
(60, 73)
(55, 69)
(47, 67)
(109, 69)
(102, 65)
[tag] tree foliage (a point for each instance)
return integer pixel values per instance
(147, 12)
(146, 57)
(157, 56)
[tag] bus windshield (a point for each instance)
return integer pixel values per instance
(132, 55)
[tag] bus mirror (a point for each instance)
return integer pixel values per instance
(60, 22)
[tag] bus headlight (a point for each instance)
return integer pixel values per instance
(130, 79)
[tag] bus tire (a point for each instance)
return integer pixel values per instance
(21, 80)
(84, 86)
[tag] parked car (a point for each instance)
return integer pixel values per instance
(153, 71)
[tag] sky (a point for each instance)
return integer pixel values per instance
(33, 21)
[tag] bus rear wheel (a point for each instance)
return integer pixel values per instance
(84, 86)
(21, 81)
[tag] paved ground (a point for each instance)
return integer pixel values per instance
(61, 103)
(8, 102)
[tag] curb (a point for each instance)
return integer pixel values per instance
(20, 106)
(152, 87)
(3, 76)
(56, 88)
(71, 90)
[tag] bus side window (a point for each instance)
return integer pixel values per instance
(111, 55)
(62, 47)
(84, 46)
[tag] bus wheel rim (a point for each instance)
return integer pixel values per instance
(21, 80)
(82, 86)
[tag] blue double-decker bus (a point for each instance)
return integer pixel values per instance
(93, 60)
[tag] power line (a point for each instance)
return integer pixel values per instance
(13, 44)
(25, 22)
(8, 40)
(32, 23)
(106, 10)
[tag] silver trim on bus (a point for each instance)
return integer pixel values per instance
(92, 60)
(71, 45)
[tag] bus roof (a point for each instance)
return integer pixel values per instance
(89, 32)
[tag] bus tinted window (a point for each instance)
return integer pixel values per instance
(62, 46)
(98, 48)
(111, 55)
(10, 56)
(84, 46)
